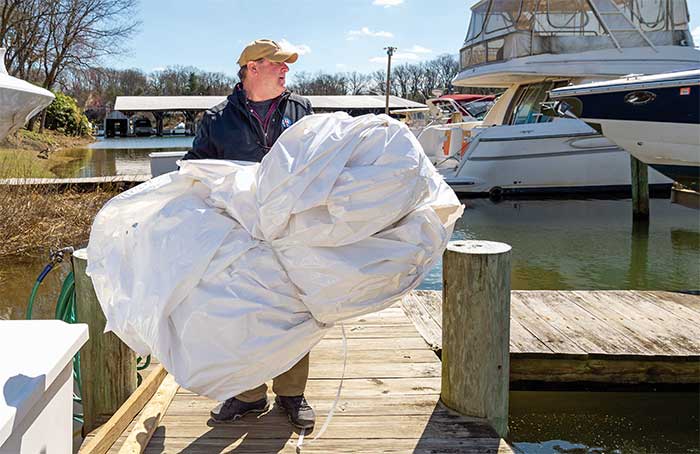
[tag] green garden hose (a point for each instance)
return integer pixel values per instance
(66, 311)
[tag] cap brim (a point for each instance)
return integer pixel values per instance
(287, 57)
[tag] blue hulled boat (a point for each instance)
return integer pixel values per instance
(656, 118)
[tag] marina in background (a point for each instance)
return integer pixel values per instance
(528, 49)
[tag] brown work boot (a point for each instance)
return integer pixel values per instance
(300, 413)
(233, 409)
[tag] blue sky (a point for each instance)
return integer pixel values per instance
(332, 35)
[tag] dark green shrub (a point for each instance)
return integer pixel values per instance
(64, 115)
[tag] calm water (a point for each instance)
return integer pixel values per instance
(605, 422)
(587, 244)
(127, 156)
(557, 244)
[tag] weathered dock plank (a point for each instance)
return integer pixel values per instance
(546, 332)
(675, 299)
(79, 181)
(653, 328)
(389, 403)
(583, 328)
(591, 336)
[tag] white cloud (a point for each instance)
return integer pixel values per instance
(387, 3)
(398, 56)
(301, 49)
(696, 36)
(416, 49)
(341, 65)
(160, 68)
(365, 31)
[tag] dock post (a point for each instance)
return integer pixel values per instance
(159, 123)
(476, 330)
(107, 365)
(640, 189)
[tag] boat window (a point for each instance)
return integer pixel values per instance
(649, 16)
(679, 15)
(574, 16)
(477, 20)
(528, 100)
(474, 55)
(478, 109)
(504, 15)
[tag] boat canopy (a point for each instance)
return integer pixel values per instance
(504, 29)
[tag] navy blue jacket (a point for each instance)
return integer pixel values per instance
(230, 131)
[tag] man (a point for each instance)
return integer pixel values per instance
(243, 128)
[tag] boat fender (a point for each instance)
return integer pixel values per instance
(447, 140)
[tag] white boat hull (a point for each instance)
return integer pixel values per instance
(19, 103)
(655, 118)
(662, 144)
(19, 100)
(597, 171)
(560, 156)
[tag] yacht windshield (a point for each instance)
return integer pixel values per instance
(478, 109)
(504, 29)
(527, 103)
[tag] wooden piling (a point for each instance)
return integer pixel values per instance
(107, 365)
(476, 330)
(640, 189)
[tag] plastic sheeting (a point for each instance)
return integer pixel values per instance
(229, 273)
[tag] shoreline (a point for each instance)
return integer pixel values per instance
(29, 154)
(36, 219)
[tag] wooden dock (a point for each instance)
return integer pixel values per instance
(389, 403)
(625, 337)
(128, 180)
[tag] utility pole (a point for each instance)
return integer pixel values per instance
(389, 52)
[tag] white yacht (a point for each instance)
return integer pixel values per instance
(529, 48)
(19, 100)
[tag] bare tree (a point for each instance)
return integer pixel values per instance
(23, 30)
(81, 32)
(357, 83)
(319, 84)
(428, 80)
(47, 37)
(445, 67)
(415, 78)
(378, 82)
(400, 80)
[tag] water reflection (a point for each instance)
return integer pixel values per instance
(17, 277)
(122, 156)
(587, 244)
(136, 143)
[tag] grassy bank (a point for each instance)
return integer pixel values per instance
(35, 219)
(29, 154)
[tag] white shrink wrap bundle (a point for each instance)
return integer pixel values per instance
(229, 273)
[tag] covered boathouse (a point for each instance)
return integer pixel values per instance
(192, 106)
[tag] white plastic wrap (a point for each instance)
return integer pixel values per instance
(229, 273)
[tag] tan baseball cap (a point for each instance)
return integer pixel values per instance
(266, 48)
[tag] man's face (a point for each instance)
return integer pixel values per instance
(270, 75)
